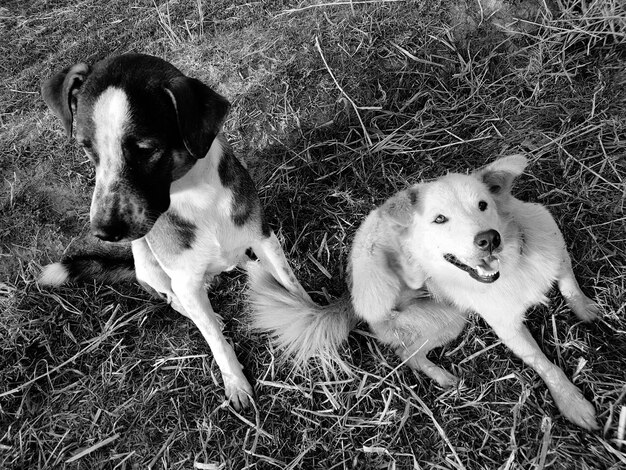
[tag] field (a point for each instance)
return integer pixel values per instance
(336, 106)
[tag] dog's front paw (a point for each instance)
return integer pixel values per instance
(585, 308)
(576, 408)
(444, 378)
(238, 391)
(441, 376)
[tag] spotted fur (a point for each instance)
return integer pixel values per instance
(168, 182)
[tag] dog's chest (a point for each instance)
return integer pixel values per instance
(198, 229)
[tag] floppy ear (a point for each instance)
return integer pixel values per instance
(401, 207)
(59, 92)
(200, 113)
(499, 175)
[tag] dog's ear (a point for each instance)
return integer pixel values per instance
(401, 207)
(410, 274)
(200, 113)
(59, 92)
(499, 175)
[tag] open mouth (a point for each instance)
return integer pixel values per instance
(487, 271)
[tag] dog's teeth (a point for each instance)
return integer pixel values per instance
(481, 272)
(488, 266)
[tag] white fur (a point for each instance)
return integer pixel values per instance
(111, 115)
(54, 274)
(531, 258)
(513, 164)
(399, 250)
(303, 328)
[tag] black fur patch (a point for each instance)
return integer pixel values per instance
(250, 254)
(200, 113)
(236, 178)
(184, 229)
(147, 172)
(104, 268)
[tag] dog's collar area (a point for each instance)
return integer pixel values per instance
(484, 272)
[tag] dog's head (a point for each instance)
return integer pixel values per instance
(143, 124)
(457, 224)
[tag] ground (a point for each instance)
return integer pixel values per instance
(335, 108)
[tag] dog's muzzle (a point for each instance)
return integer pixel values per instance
(110, 230)
(489, 240)
(487, 271)
(115, 222)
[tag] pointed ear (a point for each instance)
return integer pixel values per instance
(200, 113)
(401, 207)
(59, 92)
(500, 175)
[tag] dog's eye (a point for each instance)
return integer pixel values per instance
(482, 205)
(144, 152)
(86, 144)
(138, 150)
(440, 219)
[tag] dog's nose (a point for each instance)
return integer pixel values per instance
(110, 231)
(488, 240)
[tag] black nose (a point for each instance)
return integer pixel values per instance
(488, 240)
(110, 231)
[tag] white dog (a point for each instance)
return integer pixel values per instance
(465, 243)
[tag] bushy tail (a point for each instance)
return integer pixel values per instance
(300, 326)
(103, 267)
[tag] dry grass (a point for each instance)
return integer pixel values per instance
(335, 108)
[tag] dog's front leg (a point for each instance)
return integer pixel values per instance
(192, 297)
(567, 396)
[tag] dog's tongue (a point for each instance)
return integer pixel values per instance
(489, 265)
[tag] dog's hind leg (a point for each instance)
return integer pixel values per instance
(422, 325)
(584, 307)
(273, 259)
(417, 360)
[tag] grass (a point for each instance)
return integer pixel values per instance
(335, 107)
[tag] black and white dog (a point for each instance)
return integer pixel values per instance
(167, 181)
